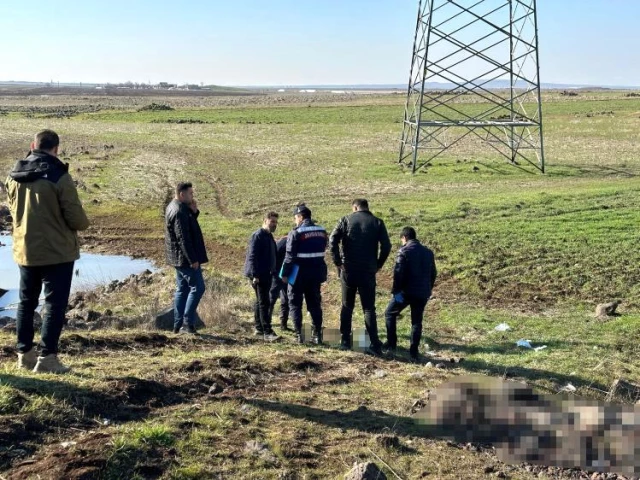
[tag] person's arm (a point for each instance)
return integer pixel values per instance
(251, 256)
(183, 234)
(399, 272)
(434, 271)
(290, 255)
(70, 206)
(385, 244)
(334, 240)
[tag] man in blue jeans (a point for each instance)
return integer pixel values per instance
(413, 277)
(185, 250)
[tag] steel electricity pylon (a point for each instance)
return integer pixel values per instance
(474, 83)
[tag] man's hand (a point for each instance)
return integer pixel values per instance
(285, 280)
(195, 265)
(194, 206)
(340, 270)
(255, 280)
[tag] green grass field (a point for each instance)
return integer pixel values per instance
(537, 251)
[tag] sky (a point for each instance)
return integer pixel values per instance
(283, 42)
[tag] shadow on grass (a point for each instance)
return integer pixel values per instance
(128, 399)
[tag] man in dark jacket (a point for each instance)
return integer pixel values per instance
(278, 287)
(360, 235)
(47, 214)
(413, 277)
(259, 268)
(306, 245)
(185, 250)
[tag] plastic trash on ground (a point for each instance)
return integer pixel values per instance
(503, 327)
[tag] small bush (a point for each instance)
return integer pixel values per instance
(155, 107)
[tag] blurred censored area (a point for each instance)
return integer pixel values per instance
(541, 429)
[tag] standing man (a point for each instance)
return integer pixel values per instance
(413, 277)
(47, 214)
(259, 267)
(306, 245)
(185, 250)
(360, 235)
(279, 288)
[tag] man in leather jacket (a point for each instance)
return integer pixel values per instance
(365, 247)
(185, 250)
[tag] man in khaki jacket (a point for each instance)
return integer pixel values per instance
(46, 213)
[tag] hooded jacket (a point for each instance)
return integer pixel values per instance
(46, 211)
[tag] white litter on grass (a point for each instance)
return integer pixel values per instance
(524, 343)
(68, 444)
(537, 349)
(568, 388)
(503, 327)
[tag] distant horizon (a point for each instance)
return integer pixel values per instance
(386, 86)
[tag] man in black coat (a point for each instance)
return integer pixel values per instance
(185, 250)
(365, 247)
(259, 268)
(413, 277)
(278, 287)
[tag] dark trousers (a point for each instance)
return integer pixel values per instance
(365, 285)
(308, 291)
(57, 285)
(189, 290)
(262, 307)
(279, 290)
(391, 316)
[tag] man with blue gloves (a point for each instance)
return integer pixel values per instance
(414, 274)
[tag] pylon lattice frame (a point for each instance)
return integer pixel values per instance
(470, 45)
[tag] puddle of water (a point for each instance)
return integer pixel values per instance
(91, 271)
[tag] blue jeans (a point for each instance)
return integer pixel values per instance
(189, 291)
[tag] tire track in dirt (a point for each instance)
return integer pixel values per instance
(219, 197)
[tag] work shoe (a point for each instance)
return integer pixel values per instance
(50, 364)
(345, 347)
(376, 351)
(176, 330)
(270, 335)
(258, 333)
(299, 337)
(285, 328)
(27, 360)
(316, 337)
(188, 330)
(389, 348)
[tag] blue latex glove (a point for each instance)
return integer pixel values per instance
(398, 297)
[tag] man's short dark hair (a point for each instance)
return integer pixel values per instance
(183, 187)
(360, 204)
(270, 215)
(409, 233)
(46, 140)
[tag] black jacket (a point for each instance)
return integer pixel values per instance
(415, 270)
(306, 245)
(184, 244)
(260, 261)
(281, 250)
(360, 234)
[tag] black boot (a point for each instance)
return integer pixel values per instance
(316, 336)
(299, 338)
